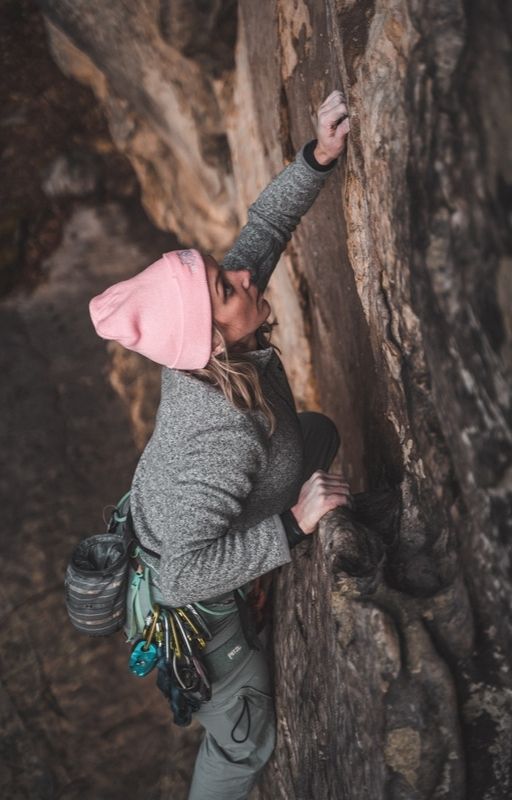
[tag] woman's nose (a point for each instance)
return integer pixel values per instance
(246, 278)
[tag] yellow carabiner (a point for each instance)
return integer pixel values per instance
(175, 643)
(151, 632)
(183, 614)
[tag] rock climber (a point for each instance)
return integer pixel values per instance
(232, 476)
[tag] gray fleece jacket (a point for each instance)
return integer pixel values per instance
(210, 485)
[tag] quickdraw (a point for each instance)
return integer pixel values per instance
(172, 641)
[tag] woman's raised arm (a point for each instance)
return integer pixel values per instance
(273, 217)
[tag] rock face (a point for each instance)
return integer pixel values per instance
(162, 88)
(394, 303)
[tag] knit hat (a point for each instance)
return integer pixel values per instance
(164, 312)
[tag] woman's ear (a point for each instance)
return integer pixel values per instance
(217, 344)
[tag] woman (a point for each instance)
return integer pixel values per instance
(232, 477)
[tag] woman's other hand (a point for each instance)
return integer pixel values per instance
(319, 494)
(332, 127)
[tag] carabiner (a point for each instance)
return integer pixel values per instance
(167, 637)
(151, 632)
(185, 640)
(189, 672)
(200, 621)
(195, 631)
(175, 641)
(203, 676)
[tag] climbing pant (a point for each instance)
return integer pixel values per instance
(239, 720)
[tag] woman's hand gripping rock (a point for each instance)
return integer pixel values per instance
(319, 494)
(332, 127)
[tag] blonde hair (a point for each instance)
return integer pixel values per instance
(236, 375)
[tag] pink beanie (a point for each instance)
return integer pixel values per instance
(164, 312)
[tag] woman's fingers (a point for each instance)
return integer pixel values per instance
(334, 102)
(333, 98)
(335, 116)
(321, 473)
(335, 108)
(322, 492)
(344, 126)
(327, 110)
(334, 488)
(332, 125)
(334, 501)
(330, 477)
(338, 488)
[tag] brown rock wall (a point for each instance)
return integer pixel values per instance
(397, 290)
(162, 106)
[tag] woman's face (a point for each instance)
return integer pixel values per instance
(237, 306)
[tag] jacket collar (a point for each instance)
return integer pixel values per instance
(261, 357)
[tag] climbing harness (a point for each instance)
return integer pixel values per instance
(172, 640)
(108, 587)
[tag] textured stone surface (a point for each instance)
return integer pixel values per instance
(161, 91)
(433, 402)
(394, 304)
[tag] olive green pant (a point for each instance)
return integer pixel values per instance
(239, 720)
(240, 732)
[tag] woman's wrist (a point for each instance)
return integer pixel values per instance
(294, 532)
(323, 163)
(323, 158)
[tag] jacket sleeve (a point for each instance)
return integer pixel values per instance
(203, 552)
(273, 217)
